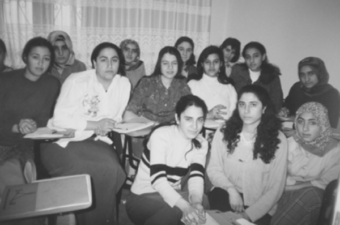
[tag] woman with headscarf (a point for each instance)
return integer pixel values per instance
(65, 62)
(313, 86)
(134, 67)
(313, 162)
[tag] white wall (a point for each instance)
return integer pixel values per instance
(290, 30)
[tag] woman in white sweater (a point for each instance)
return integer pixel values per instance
(171, 153)
(212, 84)
(313, 162)
(248, 161)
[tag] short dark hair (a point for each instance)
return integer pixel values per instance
(179, 41)
(222, 77)
(38, 42)
(96, 51)
(235, 45)
(172, 51)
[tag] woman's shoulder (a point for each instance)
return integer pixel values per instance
(164, 132)
(269, 73)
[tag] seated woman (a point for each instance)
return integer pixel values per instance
(65, 62)
(186, 46)
(231, 48)
(313, 162)
(91, 102)
(172, 152)
(27, 97)
(248, 163)
(3, 53)
(134, 67)
(257, 70)
(212, 85)
(313, 86)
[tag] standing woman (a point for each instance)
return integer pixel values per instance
(186, 46)
(313, 86)
(257, 70)
(134, 67)
(3, 53)
(91, 102)
(213, 86)
(248, 161)
(172, 152)
(231, 48)
(65, 62)
(27, 97)
(313, 162)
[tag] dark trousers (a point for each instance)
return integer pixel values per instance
(100, 161)
(151, 209)
(219, 200)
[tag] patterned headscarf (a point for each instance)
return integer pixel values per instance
(135, 64)
(59, 35)
(322, 144)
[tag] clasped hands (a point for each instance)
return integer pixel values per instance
(104, 126)
(193, 214)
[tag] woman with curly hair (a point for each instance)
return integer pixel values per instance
(248, 161)
(313, 162)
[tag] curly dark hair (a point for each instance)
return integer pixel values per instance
(267, 140)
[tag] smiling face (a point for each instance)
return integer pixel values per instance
(250, 109)
(130, 53)
(106, 64)
(62, 52)
(169, 66)
(38, 60)
(308, 127)
(228, 53)
(191, 121)
(308, 76)
(211, 65)
(185, 49)
(254, 59)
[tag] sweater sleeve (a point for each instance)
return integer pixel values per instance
(196, 177)
(67, 104)
(331, 170)
(277, 178)
(289, 102)
(215, 166)
(276, 93)
(138, 96)
(158, 145)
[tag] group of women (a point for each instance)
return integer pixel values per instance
(255, 171)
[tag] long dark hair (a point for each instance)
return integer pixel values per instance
(235, 45)
(267, 139)
(191, 61)
(172, 51)
(183, 103)
(222, 77)
(38, 42)
(96, 51)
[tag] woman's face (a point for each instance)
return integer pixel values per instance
(191, 121)
(38, 61)
(308, 127)
(254, 59)
(185, 49)
(308, 76)
(130, 53)
(228, 53)
(211, 65)
(169, 66)
(250, 109)
(107, 64)
(62, 52)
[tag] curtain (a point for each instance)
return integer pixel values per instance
(152, 23)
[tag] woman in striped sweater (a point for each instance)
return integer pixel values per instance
(171, 153)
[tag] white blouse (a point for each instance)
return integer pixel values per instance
(83, 99)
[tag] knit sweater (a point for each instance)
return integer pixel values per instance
(269, 80)
(261, 184)
(166, 160)
(330, 99)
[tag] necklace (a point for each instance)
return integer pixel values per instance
(245, 140)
